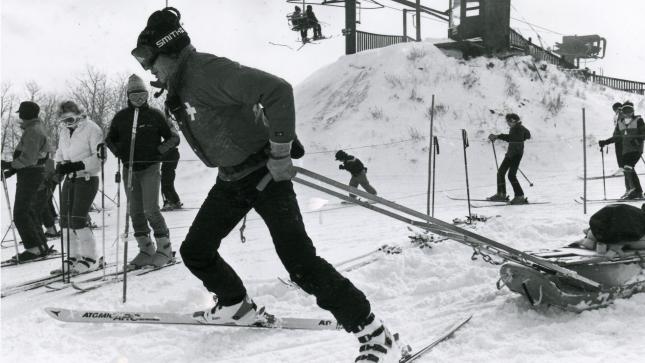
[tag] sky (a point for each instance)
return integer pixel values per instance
(53, 41)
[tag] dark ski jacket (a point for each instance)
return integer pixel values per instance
(353, 165)
(515, 138)
(218, 105)
(154, 136)
(630, 133)
(311, 18)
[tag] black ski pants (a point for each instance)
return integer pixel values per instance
(76, 200)
(510, 164)
(631, 177)
(168, 167)
(227, 203)
(26, 214)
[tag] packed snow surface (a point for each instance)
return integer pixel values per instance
(376, 106)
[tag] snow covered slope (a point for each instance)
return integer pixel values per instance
(375, 105)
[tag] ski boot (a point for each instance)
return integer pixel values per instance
(87, 264)
(498, 197)
(520, 199)
(243, 313)
(633, 194)
(164, 253)
(377, 343)
(69, 266)
(146, 251)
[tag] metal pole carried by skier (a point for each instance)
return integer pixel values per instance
(11, 226)
(128, 185)
(464, 138)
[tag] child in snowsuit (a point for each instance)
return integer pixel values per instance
(215, 102)
(511, 163)
(630, 131)
(358, 171)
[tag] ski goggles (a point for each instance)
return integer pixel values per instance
(627, 109)
(138, 98)
(145, 55)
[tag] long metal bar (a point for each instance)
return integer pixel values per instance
(444, 228)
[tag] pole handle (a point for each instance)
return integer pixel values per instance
(436, 145)
(464, 137)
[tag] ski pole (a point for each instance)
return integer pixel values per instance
(13, 230)
(434, 169)
(100, 153)
(70, 192)
(62, 243)
(492, 143)
(604, 186)
(464, 137)
(128, 201)
(117, 180)
(430, 151)
(524, 175)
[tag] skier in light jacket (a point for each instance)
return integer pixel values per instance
(216, 103)
(77, 160)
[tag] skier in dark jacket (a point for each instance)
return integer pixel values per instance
(154, 137)
(511, 163)
(29, 159)
(217, 102)
(359, 172)
(313, 23)
(630, 131)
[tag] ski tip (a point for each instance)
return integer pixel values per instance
(54, 312)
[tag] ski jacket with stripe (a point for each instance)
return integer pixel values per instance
(218, 105)
(630, 132)
(515, 138)
(154, 136)
(33, 148)
(80, 144)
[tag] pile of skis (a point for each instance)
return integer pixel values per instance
(580, 281)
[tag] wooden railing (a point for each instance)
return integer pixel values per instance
(365, 41)
(517, 41)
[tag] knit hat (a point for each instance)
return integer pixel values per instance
(616, 105)
(28, 110)
(163, 34)
(136, 84)
(512, 117)
(341, 155)
(68, 106)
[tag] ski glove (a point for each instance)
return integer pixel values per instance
(492, 137)
(68, 168)
(603, 143)
(341, 167)
(279, 164)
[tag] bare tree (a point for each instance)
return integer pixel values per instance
(7, 107)
(33, 91)
(93, 94)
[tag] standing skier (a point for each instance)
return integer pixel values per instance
(359, 172)
(630, 132)
(29, 159)
(77, 161)
(216, 103)
(511, 163)
(143, 195)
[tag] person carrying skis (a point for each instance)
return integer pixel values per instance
(511, 163)
(312, 22)
(630, 131)
(77, 161)
(29, 159)
(143, 194)
(169, 162)
(358, 171)
(216, 102)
